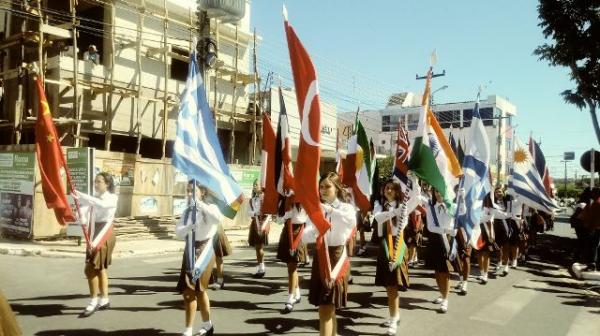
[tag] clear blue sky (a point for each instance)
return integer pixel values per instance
(366, 50)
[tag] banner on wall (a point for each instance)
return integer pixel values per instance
(17, 181)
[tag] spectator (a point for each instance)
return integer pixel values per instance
(92, 55)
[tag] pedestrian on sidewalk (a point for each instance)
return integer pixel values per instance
(99, 211)
(331, 294)
(392, 259)
(591, 223)
(291, 250)
(258, 236)
(198, 225)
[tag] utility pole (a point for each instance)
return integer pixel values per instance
(565, 192)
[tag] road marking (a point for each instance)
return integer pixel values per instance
(507, 306)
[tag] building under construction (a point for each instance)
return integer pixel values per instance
(114, 71)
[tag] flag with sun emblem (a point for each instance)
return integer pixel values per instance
(525, 181)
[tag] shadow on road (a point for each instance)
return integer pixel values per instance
(96, 332)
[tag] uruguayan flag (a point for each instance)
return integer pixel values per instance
(197, 152)
(475, 181)
(525, 181)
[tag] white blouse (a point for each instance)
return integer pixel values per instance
(514, 208)
(445, 218)
(104, 205)
(255, 207)
(296, 216)
(207, 217)
(489, 214)
(343, 220)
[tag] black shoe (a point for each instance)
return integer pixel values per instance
(103, 307)
(288, 308)
(259, 275)
(88, 313)
(204, 332)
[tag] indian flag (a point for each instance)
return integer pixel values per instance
(432, 158)
(357, 172)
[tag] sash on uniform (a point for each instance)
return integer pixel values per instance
(436, 222)
(394, 248)
(196, 266)
(330, 276)
(294, 241)
(98, 236)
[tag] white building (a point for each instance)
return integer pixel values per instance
(404, 109)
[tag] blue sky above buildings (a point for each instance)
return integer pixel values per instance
(366, 50)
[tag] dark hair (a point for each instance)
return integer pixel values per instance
(487, 201)
(199, 186)
(335, 180)
(397, 189)
(254, 191)
(109, 180)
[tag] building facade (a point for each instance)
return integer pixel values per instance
(497, 113)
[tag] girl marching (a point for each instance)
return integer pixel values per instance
(392, 260)
(198, 225)
(291, 250)
(487, 241)
(102, 207)
(331, 294)
(258, 236)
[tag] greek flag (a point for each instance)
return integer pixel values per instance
(197, 152)
(474, 182)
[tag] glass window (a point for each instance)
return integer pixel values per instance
(467, 116)
(487, 115)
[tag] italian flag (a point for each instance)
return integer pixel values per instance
(432, 158)
(357, 170)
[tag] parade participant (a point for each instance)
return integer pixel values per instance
(392, 260)
(198, 226)
(330, 295)
(8, 321)
(413, 234)
(99, 212)
(516, 235)
(440, 223)
(487, 240)
(258, 236)
(222, 249)
(291, 250)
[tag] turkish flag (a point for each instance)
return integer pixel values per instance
(267, 176)
(306, 171)
(51, 161)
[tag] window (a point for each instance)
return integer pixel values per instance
(487, 115)
(449, 118)
(467, 116)
(413, 121)
(179, 68)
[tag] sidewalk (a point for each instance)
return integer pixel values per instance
(68, 248)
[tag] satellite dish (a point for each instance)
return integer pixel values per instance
(586, 161)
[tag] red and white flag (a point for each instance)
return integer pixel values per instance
(309, 151)
(283, 152)
(267, 167)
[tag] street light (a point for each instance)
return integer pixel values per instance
(440, 89)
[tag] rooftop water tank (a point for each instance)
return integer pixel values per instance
(226, 10)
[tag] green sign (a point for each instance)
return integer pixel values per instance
(17, 183)
(80, 162)
(245, 177)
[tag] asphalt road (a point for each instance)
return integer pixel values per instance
(538, 298)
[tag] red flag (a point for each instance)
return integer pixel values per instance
(309, 151)
(283, 152)
(267, 176)
(51, 161)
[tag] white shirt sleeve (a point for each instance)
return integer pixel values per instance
(212, 214)
(181, 228)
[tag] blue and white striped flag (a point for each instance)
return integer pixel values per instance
(526, 183)
(475, 181)
(197, 152)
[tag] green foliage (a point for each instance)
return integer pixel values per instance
(572, 29)
(386, 166)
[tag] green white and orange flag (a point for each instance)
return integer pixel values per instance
(432, 158)
(357, 167)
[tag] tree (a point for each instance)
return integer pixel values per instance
(573, 27)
